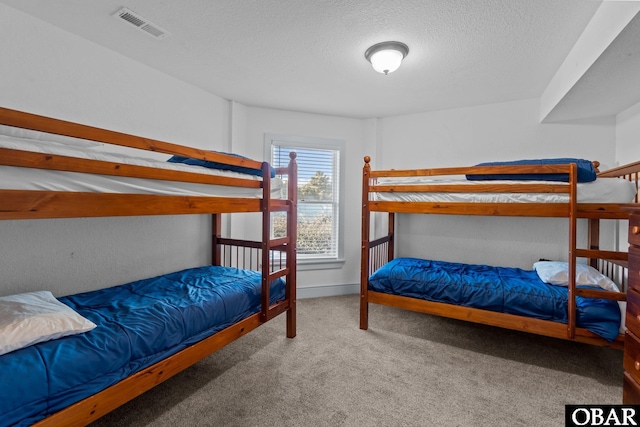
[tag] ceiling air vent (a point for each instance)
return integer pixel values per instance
(141, 23)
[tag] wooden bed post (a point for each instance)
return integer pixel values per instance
(364, 257)
(292, 252)
(266, 240)
(573, 211)
(216, 233)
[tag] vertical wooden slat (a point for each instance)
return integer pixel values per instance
(594, 239)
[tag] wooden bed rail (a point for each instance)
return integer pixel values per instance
(38, 123)
(27, 159)
(90, 409)
(471, 170)
(19, 204)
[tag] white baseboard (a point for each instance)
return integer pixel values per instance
(327, 290)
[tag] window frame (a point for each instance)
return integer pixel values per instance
(302, 142)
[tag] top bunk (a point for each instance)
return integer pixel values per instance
(541, 188)
(51, 168)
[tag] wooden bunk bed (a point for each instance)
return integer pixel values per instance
(390, 191)
(273, 258)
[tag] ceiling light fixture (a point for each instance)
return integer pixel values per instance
(386, 57)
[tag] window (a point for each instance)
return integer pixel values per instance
(320, 196)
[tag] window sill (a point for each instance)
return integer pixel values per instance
(319, 264)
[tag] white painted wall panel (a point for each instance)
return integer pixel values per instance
(628, 135)
(48, 71)
(260, 121)
(466, 136)
(51, 72)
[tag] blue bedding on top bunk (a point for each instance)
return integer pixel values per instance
(138, 324)
(221, 166)
(586, 170)
(503, 289)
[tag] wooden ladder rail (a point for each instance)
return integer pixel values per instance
(288, 243)
(573, 221)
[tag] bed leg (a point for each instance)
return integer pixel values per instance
(291, 320)
(364, 312)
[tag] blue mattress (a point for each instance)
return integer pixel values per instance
(138, 324)
(503, 289)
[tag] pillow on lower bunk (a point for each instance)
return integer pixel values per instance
(557, 273)
(586, 171)
(221, 166)
(34, 317)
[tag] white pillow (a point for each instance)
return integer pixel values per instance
(34, 317)
(557, 273)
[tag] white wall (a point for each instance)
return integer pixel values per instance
(628, 135)
(627, 151)
(51, 72)
(55, 73)
(465, 136)
(257, 122)
(503, 131)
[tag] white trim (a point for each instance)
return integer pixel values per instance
(327, 291)
(319, 264)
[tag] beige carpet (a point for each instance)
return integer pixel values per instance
(408, 369)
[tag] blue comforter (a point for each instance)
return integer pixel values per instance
(138, 324)
(502, 289)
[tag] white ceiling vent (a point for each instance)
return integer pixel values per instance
(141, 23)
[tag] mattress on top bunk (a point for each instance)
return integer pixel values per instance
(602, 190)
(18, 178)
(502, 289)
(138, 324)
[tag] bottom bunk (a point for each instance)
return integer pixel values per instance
(501, 296)
(145, 332)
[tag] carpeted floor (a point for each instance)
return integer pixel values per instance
(408, 369)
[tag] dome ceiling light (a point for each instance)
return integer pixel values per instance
(386, 57)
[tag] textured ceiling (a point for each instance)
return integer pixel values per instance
(308, 55)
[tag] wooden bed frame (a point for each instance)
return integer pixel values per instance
(375, 253)
(273, 257)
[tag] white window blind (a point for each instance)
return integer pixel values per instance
(319, 193)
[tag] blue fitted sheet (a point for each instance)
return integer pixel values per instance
(138, 324)
(503, 289)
